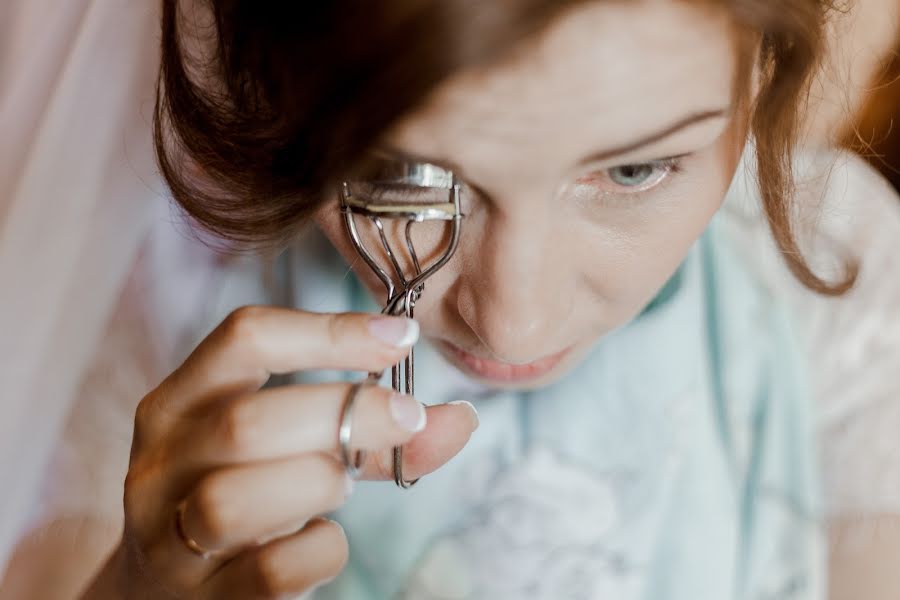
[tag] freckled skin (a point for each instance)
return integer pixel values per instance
(545, 264)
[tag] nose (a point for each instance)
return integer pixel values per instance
(515, 292)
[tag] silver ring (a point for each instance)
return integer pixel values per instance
(401, 482)
(353, 463)
(188, 541)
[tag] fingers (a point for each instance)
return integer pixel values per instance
(290, 420)
(237, 507)
(246, 468)
(222, 511)
(233, 508)
(254, 342)
(448, 429)
(283, 568)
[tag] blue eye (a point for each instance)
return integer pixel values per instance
(633, 178)
(633, 175)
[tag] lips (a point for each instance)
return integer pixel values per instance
(502, 372)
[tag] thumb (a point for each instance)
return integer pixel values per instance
(449, 428)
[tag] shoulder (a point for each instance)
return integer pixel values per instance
(845, 210)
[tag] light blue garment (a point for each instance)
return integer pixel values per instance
(676, 463)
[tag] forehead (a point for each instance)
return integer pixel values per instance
(602, 75)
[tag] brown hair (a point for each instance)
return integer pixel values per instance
(302, 90)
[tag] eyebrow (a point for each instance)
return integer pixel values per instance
(601, 156)
(659, 136)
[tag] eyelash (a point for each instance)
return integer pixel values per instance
(381, 191)
(671, 166)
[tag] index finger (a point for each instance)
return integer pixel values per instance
(255, 342)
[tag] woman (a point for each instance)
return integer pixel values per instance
(644, 369)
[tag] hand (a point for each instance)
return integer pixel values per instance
(252, 470)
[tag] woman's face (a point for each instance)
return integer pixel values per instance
(591, 162)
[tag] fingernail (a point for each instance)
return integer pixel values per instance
(407, 412)
(339, 526)
(396, 331)
(472, 410)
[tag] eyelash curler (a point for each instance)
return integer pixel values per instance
(402, 292)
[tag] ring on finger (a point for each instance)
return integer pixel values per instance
(352, 462)
(188, 541)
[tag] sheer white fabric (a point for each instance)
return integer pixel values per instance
(76, 195)
(169, 282)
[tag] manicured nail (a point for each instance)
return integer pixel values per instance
(396, 331)
(407, 412)
(339, 526)
(472, 410)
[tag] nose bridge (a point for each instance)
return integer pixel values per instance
(515, 290)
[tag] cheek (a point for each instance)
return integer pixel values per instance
(330, 222)
(636, 253)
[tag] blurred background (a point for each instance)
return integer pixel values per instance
(875, 135)
(858, 92)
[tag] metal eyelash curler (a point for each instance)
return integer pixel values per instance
(403, 294)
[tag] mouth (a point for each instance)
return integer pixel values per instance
(501, 372)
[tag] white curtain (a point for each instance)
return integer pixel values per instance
(78, 192)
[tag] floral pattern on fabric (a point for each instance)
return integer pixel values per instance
(539, 534)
